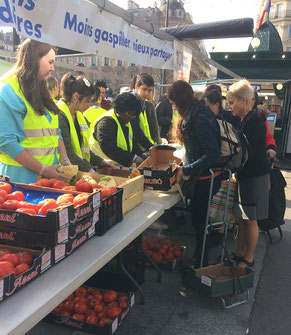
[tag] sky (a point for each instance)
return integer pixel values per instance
(203, 11)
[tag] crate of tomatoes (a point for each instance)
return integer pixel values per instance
(163, 252)
(93, 310)
(34, 216)
(19, 266)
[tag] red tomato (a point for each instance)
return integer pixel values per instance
(69, 188)
(21, 268)
(91, 290)
(25, 257)
(83, 186)
(81, 291)
(123, 297)
(57, 310)
(80, 199)
(4, 251)
(26, 210)
(10, 205)
(6, 268)
(80, 298)
(113, 312)
(5, 186)
(103, 321)
(96, 186)
(110, 296)
(42, 202)
(80, 308)
(59, 184)
(70, 297)
(3, 194)
(79, 317)
(68, 306)
(44, 182)
(51, 182)
(98, 308)
(91, 318)
(17, 195)
(105, 192)
(46, 206)
(123, 305)
(113, 304)
(13, 258)
(96, 300)
(1, 201)
(65, 313)
(25, 204)
(65, 198)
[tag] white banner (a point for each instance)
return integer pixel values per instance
(182, 61)
(79, 25)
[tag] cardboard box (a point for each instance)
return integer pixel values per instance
(132, 187)
(158, 173)
(39, 230)
(220, 279)
(107, 329)
(11, 284)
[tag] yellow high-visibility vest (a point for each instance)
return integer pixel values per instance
(84, 151)
(144, 125)
(41, 136)
(120, 140)
(92, 114)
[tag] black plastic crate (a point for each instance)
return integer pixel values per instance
(110, 212)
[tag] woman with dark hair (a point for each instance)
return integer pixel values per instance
(200, 135)
(29, 127)
(113, 135)
(77, 93)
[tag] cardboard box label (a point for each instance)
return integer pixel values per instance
(96, 200)
(132, 300)
(60, 252)
(63, 235)
(46, 261)
(63, 217)
(206, 280)
(147, 173)
(114, 325)
(1, 289)
(91, 230)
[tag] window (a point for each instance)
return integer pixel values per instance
(119, 62)
(289, 32)
(106, 61)
(93, 61)
(278, 10)
(180, 13)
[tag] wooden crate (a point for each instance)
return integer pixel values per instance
(132, 189)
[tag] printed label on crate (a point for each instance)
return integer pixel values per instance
(114, 325)
(91, 230)
(1, 289)
(46, 261)
(80, 212)
(7, 236)
(96, 216)
(96, 200)
(63, 235)
(206, 280)
(147, 173)
(60, 252)
(81, 227)
(23, 279)
(132, 300)
(8, 217)
(70, 322)
(78, 241)
(64, 217)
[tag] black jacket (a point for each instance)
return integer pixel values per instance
(201, 140)
(254, 127)
(165, 115)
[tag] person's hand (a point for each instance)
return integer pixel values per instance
(107, 162)
(271, 154)
(164, 140)
(179, 173)
(51, 172)
(66, 162)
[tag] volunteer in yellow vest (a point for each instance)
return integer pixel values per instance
(146, 127)
(95, 111)
(77, 93)
(29, 129)
(53, 87)
(113, 135)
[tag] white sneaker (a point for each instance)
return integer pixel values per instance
(158, 225)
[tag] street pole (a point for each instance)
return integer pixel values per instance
(163, 70)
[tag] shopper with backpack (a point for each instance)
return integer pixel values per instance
(251, 202)
(200, 134)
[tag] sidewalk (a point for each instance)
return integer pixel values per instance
(170, 309)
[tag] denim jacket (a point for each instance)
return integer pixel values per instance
(201, 139)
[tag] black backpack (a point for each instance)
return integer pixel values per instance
(234, 146)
